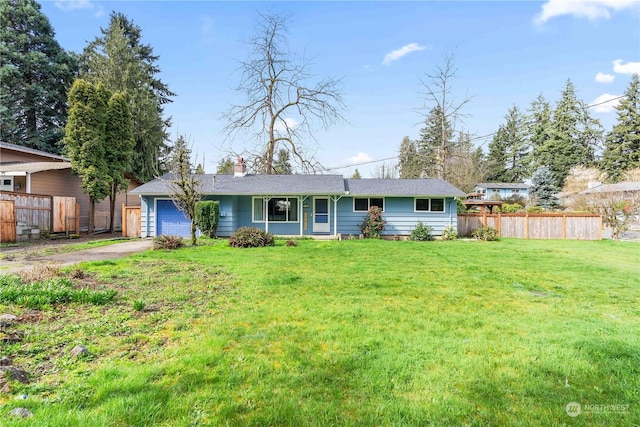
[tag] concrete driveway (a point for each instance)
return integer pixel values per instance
(117, 250)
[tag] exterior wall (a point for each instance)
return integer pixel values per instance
(9, 155)
(236, 212)
(504, 193)
(62, 183)
(400, 216)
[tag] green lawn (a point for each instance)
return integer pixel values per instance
(344, 333)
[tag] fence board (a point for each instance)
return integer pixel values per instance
(535, 226)
(64, 214)
(7, 221)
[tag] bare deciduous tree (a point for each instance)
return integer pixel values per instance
(284, 101)
(439, 100)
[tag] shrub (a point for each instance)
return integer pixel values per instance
(168, 242)
(251, 237)
(39, 273)
(449, 233)
(421, 233)
(535, 209)
(139, 305)
(487, 233)
(511, 207)
(291, 243)
(207, 213)
(373, 223)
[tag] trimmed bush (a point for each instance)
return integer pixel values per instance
(251, 237)
(511, 207)
(207, 213)
(168, 242)
(449, 233)
(421, 233)
(487, 233)
(373, 223)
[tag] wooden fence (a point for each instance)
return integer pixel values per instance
(30, 215)
(131, 221)
(535, 226)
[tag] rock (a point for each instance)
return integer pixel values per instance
(7, 320)
(5, 361)
(79, 350)
(21, 412)
(15, 373)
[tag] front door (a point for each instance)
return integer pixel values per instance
(321, 222)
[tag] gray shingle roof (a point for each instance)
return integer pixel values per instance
(402, 187)
(614, 188)
(283, 185)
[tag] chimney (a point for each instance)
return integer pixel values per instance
(240, 168)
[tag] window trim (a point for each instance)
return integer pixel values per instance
(265, 210)
(384, 203)
(444, 204)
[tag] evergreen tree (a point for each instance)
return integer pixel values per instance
(435, 144)
(282, 165)
(118, 148)
(200, 169)
(544, 189)
(508, 151)
(539, 129)
(85, 140)
(409, 159)
(35, 74)
(225, 166)
(356, 174)
(573, 139)
(124, 64)
(622, 146)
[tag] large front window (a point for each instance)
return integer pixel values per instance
(278, 209)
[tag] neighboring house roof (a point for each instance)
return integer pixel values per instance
(22, 149)
(613, 188)
(283, 185)
(33, 167)
(504, 185)
(401, 187)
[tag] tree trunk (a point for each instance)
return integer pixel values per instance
(193, 233)
(92, 214)
(112, 209)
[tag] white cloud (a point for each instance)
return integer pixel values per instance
(289, 123)
(590, 9)
(69, 5)
(403, 51)
(360, 158)
(604, 106)
(628, 68)
(605, 78)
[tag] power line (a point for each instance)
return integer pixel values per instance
(475, 138)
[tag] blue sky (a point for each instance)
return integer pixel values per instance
(506, 53)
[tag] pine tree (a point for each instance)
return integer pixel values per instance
(225, 166)
(118, 147)
(356, 174)
(508, 151)
(622, 146)
(573, 139)
(35, 76)
(85, 140)
(544, 189)
(282, 165)
(538, 130)
(434, 145)
(409, 160)
(119, 60)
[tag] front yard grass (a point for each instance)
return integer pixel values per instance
(355, 333)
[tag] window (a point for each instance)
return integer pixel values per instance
(279, 209)
(362, 204)
(429, 205)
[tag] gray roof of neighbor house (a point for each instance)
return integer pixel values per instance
(502, 185)
(283, 185)
(613, 188)
(14, 147)
(401, 187)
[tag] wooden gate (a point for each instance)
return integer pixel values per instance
(7, 221)
(131, 217)
(64, 215)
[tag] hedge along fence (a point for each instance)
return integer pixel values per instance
(535, 226)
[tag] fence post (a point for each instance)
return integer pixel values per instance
(564, 226)
(124, 221)
(526, 226)
(499, 224)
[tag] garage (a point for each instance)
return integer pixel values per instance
(170, 220)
